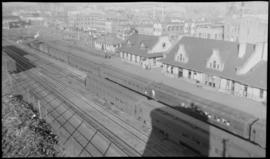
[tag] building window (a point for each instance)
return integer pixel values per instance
(163, 45)
(214, 64)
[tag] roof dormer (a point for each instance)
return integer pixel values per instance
(214, 62)
(181, 55)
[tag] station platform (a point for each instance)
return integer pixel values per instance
(243, 104)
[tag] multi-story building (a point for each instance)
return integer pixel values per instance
(144, 50)
(171, 29)
(246, 29)
(210, 32)
(229, 67)
(116, 25)
(87, 20)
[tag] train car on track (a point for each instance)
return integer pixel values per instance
(220, 115)
(114, 94)
(241, 129)
(128, 80)
(202, 137)
(258, 133)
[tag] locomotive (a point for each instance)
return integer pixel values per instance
(225, 120)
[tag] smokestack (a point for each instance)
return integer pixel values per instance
(242, 49)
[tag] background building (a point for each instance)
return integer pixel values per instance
(246, 29)
(210, 32)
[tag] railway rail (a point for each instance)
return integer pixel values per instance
(98, 126)
(242, 142)
(115, 139)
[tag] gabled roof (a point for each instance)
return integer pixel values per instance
(136, 40)
(199, 51)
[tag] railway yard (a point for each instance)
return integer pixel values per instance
(77, 126)
(98, 108)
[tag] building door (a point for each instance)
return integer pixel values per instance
(180, 73)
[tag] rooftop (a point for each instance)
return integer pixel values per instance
(134, 44)
(199, 50)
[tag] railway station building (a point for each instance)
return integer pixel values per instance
(108, 43)
(230, 67)
(144, 50)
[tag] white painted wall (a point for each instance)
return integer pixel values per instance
(175, 70)
(185, 73)
(121, 54)
(223, 84)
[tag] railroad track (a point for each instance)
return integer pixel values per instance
(126, 149)
(119, 142)
(164, 147)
